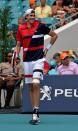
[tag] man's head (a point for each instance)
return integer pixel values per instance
(65, 59)
(32, 4)
(59, 2)
(9, 57)
(30, 15)
(43, 2)
(56, 57)
(20, 21)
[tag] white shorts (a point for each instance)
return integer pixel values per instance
(33, 69)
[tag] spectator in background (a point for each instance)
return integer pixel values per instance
(67, 2)
(10, 35)
(19, 72)
(20, 21)
(67, 67)
(19, 67)
(53, 70)
(71, 55)
(7, 79)
(59, 10)
(75, 2)
(43, 10)
(71, 5)
(57, 59)
(32, 4)
(74, 56)
(54, 63)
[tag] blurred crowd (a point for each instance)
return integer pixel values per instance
(62, 63)
(60, 9)
(11, 75)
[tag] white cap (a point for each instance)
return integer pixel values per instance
(28, 11)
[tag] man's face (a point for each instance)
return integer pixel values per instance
(59, 2)
(20, 21)
(57, 59)
(33, 6)
(31, 18)
(43, 2)
(66, 61)
(9, 56)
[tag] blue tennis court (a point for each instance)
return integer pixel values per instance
(19, 122)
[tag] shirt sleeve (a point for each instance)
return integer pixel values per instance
(45, 29)
(18, 36)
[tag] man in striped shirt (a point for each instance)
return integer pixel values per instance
(31, 36)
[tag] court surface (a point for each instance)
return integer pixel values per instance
(19, 122)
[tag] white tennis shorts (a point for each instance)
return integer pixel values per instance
(33, 70)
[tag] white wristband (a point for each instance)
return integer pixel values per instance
(48, 46)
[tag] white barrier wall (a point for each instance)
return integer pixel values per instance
(67, 39)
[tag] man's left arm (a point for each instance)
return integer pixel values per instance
(53, 37)
(52, 41)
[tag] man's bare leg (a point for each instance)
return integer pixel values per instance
(35, 98)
